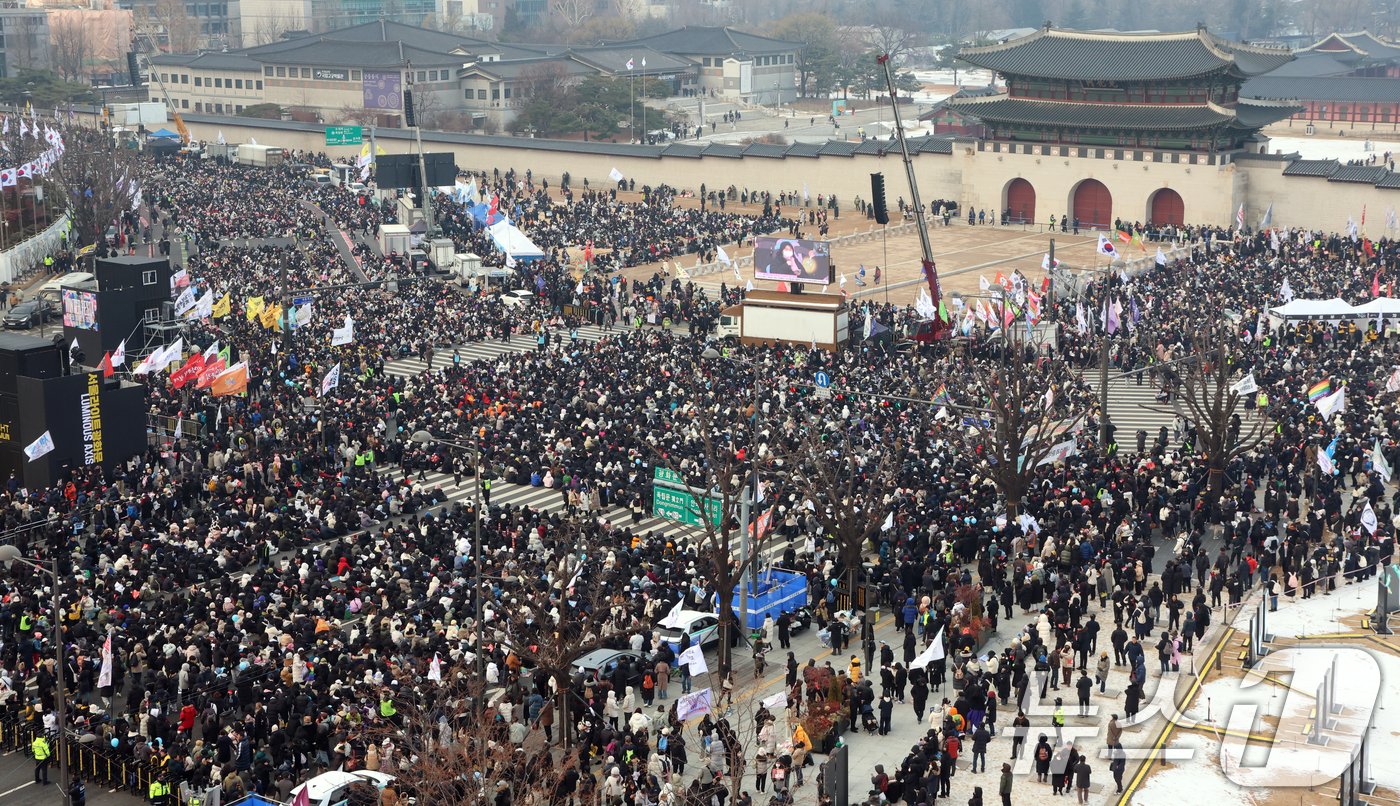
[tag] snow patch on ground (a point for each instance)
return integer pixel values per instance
(1323, 148)
(1324, 613)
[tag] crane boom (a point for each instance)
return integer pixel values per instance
(169, 104)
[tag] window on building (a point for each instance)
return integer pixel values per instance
(148, 277)
(238, 83)
(306, 72)
(184, 78)
(197, 81)
(422, 75)
(481, 95)
(198, 106)
(281, 72)
(238, 109)
(354, 75)
(259, 85)
(267, 71)
(151, 316)
(495, 93)
(184, 103)
(218, 109)
(507, 93)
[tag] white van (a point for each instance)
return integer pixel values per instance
(53, 289)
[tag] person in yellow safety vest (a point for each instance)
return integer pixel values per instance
(42, 756)
(386, 707)
(158, 792)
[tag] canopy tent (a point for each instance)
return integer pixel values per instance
(1380, 306)
(480, 213)
(509, 239)
(164, 134)
(1335, 308)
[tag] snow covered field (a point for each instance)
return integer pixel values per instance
(1323, 148)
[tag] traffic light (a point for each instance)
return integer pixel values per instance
(408, 118)
(877, 198)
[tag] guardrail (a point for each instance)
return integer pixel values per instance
(86, 757)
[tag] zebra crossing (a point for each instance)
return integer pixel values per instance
(492, 348)
(549, 499)
(1132, 407)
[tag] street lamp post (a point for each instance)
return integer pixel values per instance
(10, 554)
(425, 438)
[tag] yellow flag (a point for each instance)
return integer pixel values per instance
(270, 316)
(255, 307)
(378, 150)
(222, 307)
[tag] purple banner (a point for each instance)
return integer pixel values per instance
(383, 90)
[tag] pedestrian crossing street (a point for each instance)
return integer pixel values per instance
(552, 500)
(493, 348)
(1132, 407)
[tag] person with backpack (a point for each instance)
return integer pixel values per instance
(1042, 756)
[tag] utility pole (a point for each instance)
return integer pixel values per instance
(1103, 363)
(431, 228)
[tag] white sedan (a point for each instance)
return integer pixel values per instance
(703, 628)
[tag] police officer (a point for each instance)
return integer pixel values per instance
(42, 755)
(77, 792)
(158, 792)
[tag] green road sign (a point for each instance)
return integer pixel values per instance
(343, 135)
(679, 505)
(663, 475)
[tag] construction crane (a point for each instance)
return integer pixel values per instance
(169, 104)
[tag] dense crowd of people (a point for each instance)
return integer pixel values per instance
(284, 594)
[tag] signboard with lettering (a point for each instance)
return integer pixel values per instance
(330, 74)
(344, 135)
(383, 90)
(679, 505)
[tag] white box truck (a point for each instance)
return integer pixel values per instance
(260, 155)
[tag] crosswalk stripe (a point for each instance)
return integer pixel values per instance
(491, 349)
(1132, 407)
(552, 500)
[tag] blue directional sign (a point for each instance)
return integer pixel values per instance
(823, 380)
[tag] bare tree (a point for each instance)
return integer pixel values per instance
(351, 113)
(96, 178)
(69, 41)
(569, 15)
(1213, 406)
(270, 28)
(170, 24)
(1027, 405)
(852, 481)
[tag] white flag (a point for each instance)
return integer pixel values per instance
(252, 141)
(204, 306)
(748, 286)
(39, 447)
(1161, 257)
(696, 704)
(615, 175)
(343, 335)
(185, 302)
(331, 381)
(119, 357)
(723, 257)
(889, 522)
(775, 701)
(179, 427)
(1324, 463)
(672, 618)
(104, 677)
(1245, 385)
(1285, 291)
(435, 669)
(221, 140)
(933, 653)
(693, 658)
(1391, 385)
(1379, 462)
(1335, 403)
(1368, 518)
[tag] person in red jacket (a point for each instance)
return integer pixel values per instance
(187, 715)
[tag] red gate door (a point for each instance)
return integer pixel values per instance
(1167, 208)
(1020, 202)
(1093, 204)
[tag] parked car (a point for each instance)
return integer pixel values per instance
(518, 297)
(331, 788)
(600, 664)
(31, 313)
(703, 628)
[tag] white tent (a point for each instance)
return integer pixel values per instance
(1380, 306)
(1335, 308)
(512, 241)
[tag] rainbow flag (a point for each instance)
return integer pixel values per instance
(1320, 390)
(940, 397)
